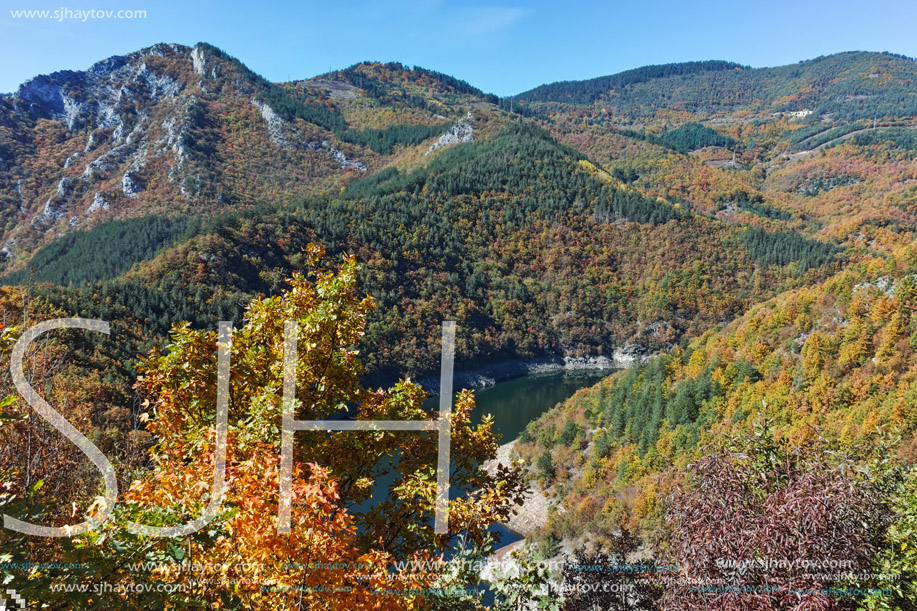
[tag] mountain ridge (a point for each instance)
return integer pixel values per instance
(102, 65)
(189, 165)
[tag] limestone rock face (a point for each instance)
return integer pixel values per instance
(198, 60)
(458, 133)
(286, 136)
(93, 98)
(98, 203)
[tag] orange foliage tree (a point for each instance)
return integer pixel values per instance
(339, 554)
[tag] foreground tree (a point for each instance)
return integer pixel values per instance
(896, 567)
(333, 473)
(625, 579)
(763, 526)
(343, 551)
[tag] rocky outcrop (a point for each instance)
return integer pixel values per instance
(57, 205)
(280, 132)
(51, 213)
(93, 98)
(198, 60)
(286, 136)
(130, 182)
(71, 159)
(90, 142)
(42, 94)
(64, 186)
(7, 251)
(458, 133)
(98, 203)
(489, 375)
(884, 284)
(129, 185)
(338, 156)
(107, 162)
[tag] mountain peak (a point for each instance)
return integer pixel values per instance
(66, 94)
(385, 79)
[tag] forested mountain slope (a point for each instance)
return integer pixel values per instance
(581, 239)
(529, 246)
(834, 361)
(849, 86)
(171, 129)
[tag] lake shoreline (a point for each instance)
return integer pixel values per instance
(532, 514)
(490, 375)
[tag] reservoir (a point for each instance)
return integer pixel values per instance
(517, 402)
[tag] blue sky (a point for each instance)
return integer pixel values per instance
(501, 46)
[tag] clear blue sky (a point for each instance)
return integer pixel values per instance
(501, 46)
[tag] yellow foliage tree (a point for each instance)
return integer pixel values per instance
(244, 558)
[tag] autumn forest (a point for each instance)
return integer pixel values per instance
(737, 246)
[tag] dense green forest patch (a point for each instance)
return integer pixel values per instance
(105, 251)
(385, 140)
(783, 248)
(684, 139)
